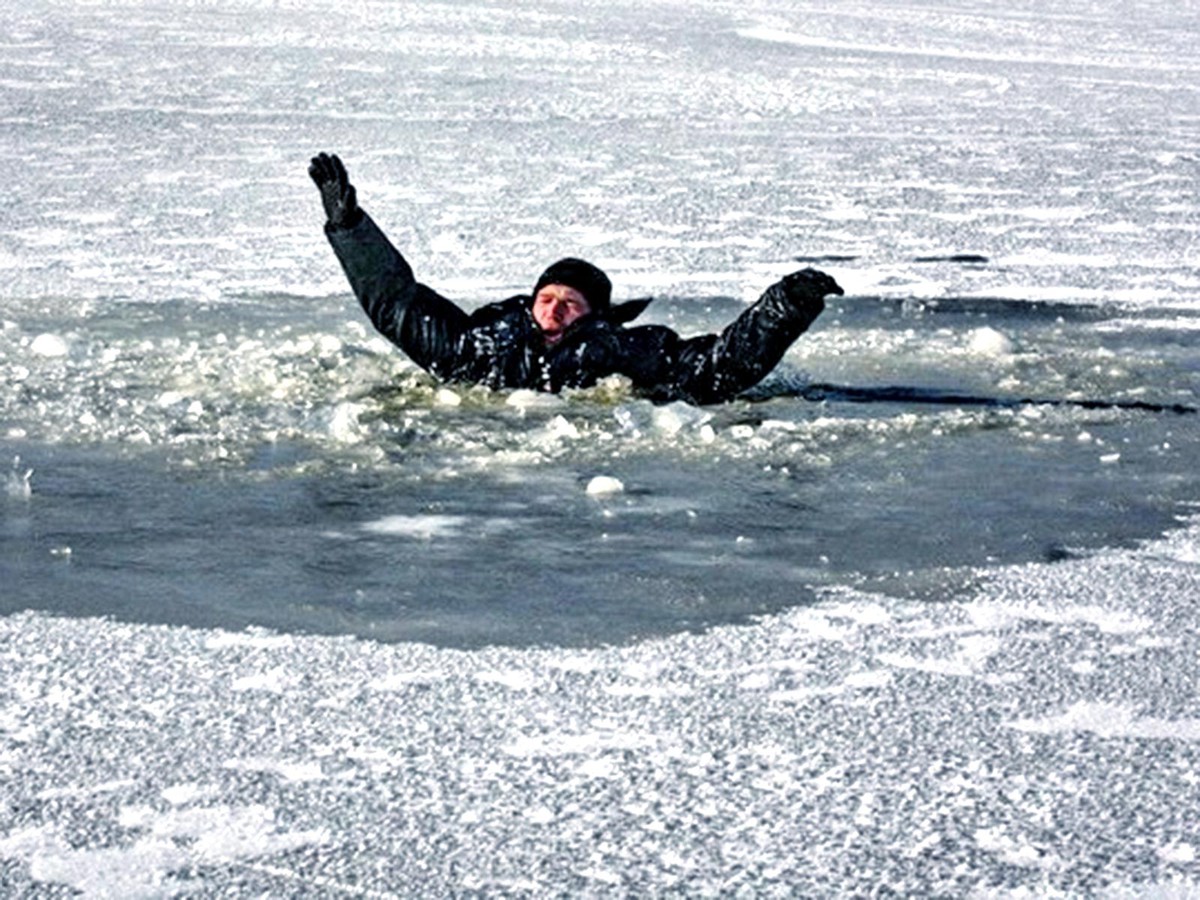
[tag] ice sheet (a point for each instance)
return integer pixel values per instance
(940, 748)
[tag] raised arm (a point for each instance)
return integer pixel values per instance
(424, 324)
(714, 368)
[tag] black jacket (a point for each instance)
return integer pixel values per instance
(500, 346)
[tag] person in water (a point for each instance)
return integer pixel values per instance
(567, 333)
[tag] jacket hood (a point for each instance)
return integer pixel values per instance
(625, 312)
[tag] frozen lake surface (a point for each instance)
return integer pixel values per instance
(281, 615)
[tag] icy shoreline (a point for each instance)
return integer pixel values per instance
(1042, 737)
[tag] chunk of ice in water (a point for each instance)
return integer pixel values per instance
(603, 485)
(49, 346)
(18, 485)
(675, 417)
(523, 399)
(417, 526)
(557, 430)
(989, 342)
(340, 422)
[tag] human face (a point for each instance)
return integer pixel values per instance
(556, 307)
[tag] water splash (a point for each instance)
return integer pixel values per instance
(18, 485)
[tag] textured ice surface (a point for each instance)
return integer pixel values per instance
(1043, 737)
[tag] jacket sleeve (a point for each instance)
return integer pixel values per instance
(421, 322)
(713, 368)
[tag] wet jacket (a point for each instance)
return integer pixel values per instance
(499, 345)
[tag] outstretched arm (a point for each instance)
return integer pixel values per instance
(715, 368)
(424, 324)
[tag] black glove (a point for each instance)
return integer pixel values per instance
(809, 284)
(337, 193)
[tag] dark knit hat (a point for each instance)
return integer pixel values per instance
(584, 277)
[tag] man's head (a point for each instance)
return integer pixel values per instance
(565, 293)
